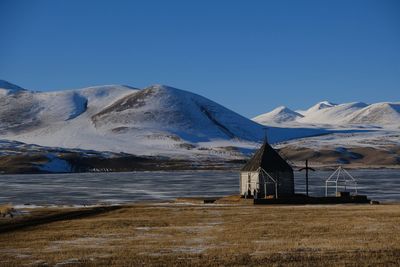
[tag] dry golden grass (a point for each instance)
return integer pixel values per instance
(212, 235)
(6, 210)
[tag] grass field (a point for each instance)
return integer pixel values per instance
(205, 235)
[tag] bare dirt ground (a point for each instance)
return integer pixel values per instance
(178, 234)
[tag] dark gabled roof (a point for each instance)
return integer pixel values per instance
(268, 159)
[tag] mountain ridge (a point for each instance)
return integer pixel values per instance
(353, 114)
(157, 120)
(162, 121)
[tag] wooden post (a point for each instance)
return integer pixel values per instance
(307, 177)
(265, 188)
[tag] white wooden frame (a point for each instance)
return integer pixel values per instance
(262, 171)
(334, 179)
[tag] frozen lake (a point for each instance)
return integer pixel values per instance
(93, 188)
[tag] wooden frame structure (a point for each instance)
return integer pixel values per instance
(269, 177)
(340, 175)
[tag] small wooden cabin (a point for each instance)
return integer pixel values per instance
(266, 174)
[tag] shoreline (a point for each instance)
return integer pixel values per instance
(222, 169)
(195, 201)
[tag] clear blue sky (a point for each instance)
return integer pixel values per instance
(250, 56)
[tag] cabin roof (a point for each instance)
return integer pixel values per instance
(267, 158)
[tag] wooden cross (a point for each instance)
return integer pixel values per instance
(307, 168)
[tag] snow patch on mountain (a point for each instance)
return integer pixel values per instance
(279, 115)
(60, 106)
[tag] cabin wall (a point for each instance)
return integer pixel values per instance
(255, 180)
(269, 186)
(285, 181)
(248, 180)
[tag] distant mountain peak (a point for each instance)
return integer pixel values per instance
(328, 103)
(281, 108)
(327, 113)
(322, 105)
(355, 105)
(278, 115)
(10, 86)
(385, 113)
(110, 86)
(162, 88)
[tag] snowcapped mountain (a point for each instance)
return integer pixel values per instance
(165, 122)
(158, 120)
(327, 114)
(8, 88)
(335, 114)
(379, 114)
(279, 115)
(25, 111)
(155, 121)
(319, 106)
(177, 113)
(362, 135)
